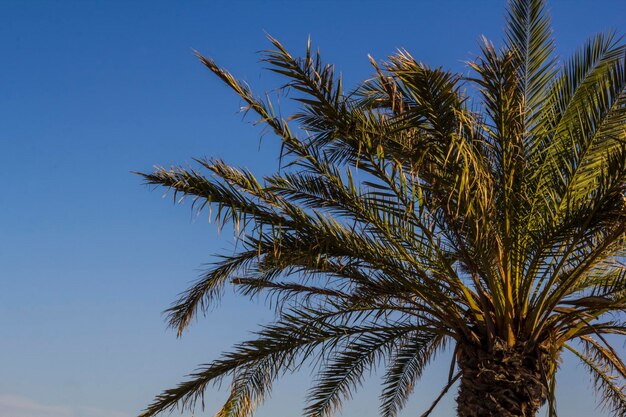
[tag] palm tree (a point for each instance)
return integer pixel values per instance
(426, 211)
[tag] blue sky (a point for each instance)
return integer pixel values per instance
(89, 257)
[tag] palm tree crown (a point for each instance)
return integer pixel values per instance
(411, 216)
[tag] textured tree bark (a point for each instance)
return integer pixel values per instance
(500, 383)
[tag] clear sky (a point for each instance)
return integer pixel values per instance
(89, 257)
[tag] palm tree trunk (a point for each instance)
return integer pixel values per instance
(500, 383)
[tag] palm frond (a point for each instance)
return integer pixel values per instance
(281, 346)
(529, 37)
(613, 393)
(405, 368)
(339, 378)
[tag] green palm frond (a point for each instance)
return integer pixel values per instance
(339, 378)
(283, 345)
(406, 366)
(529, 37)
(610, 387)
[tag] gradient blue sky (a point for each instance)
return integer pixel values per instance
(89, 257)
